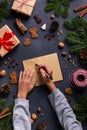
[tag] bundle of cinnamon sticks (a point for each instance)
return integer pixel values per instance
(5, 113)
(79, 8)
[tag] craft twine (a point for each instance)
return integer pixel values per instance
(78, 79)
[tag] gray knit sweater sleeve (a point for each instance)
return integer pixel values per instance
(21, 115)
(64, 112)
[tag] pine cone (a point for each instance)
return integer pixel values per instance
(83, 54)
(5, 89)
(41, 125)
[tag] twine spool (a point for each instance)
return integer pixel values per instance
(78, 79)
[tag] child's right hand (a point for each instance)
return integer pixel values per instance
(42, 69)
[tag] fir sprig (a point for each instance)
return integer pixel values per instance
(60, 7)
(80, 108)
(4, 12)
(6, 122)
(77, 37)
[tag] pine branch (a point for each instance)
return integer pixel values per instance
(48, 1)
(6, 122)
(76, 49)
(73, 39)
(4, 12)
(80, 108)
(65, 12)
(60, 7)
(66, 3)
(49, 7)
(82, 100)
(81, 117)
(69, 25)
(77, 35)
(2, 102)
(3, 4)
(58, 10)
(82, 34)
(76, 22)
(84, 24)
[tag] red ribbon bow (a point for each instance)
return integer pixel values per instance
(5, 41)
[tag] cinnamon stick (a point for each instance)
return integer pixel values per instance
(80, 7)
(4, 111)
(5, 115)
(82, 13)
(21, 26)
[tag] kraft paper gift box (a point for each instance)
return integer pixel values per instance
(24, 6)
(8, 40)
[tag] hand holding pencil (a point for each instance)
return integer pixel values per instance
(46, 72)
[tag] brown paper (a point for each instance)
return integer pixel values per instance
(26, 8)
(51, 60)
(4, 29)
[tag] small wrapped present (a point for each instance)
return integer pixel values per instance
(24, 6)
(8, 40)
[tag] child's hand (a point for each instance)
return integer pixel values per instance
(25, 84)
(44, 69)
(46, 79)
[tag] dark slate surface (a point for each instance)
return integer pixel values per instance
(41, 47)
